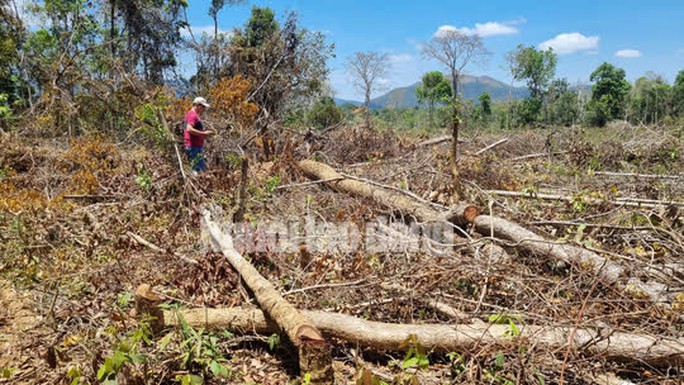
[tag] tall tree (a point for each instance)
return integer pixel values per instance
(562, 103)
(286, 64)
(649, 100)
(608, 96)
(678, 94)
(151, 29)
(537, 67)
(485, 105)
(214, 9)
(11, 36)
(367, 68)
(434, 88)
(455, 50)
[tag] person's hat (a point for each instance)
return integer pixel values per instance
(201, 100)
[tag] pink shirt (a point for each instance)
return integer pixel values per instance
(193, 119)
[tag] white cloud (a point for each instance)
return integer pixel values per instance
(401, 58)
(628, 53)
(567, 43)
(680, 51)
(198, 31)
(488, 29)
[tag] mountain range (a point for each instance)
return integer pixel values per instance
(471, 88)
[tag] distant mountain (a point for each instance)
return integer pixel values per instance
(471, 88)
(341, 102)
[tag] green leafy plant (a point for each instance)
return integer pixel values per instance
(491, 374)
(272, 184)
(74, 374)
(127, 351)
(415, 354)
(273, 341)
(507, 319)
(144, 178)
(200, 351)
(457, 365)
(123, 300)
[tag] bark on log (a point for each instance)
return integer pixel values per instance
(460, 214)
(532, 243)
(300, 330)
(615, 346)
(626, 201)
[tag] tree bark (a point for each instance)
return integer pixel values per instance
(534, 244)
(606, 344)
(314, 351)
(460, 214)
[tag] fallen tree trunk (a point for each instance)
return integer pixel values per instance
(529, 242)
(314, 352)
(630, 202)
(534, 244)
(616, 346)
(460, 214)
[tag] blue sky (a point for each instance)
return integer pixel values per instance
(638, 36)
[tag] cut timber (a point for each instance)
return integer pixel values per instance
(314, 352)
(460, 214)
(631, 202)
(637, 176)
(491, 146)
(532, 243)
(605, 344)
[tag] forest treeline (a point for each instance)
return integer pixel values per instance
(80, 65)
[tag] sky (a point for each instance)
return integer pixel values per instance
(638, 36)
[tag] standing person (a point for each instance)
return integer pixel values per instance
(194, 135)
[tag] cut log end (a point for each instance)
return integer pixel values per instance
(461, 214)
(470, 212)
(147, 307)
(307, 333)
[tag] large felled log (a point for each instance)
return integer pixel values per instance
(460, 214)
(616, 346)
(532, 243)
(314, 351)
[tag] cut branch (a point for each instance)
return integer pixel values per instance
(314, 352)
(491, 146)
(616, 346)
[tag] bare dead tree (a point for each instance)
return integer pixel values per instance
(366, 69)
(455, 50)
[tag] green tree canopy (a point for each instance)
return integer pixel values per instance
(537, 68)
(678, 94)
(434, 89)
(650, 99)
(608, 95)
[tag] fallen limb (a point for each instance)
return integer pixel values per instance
(461, 214)
(537, 155)
(491, 146)
(158, 249)
(606, 344)
(535, 244)
(529, 242)
(629, 202)
(314, 352)
(436, 141)
(635, 175)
